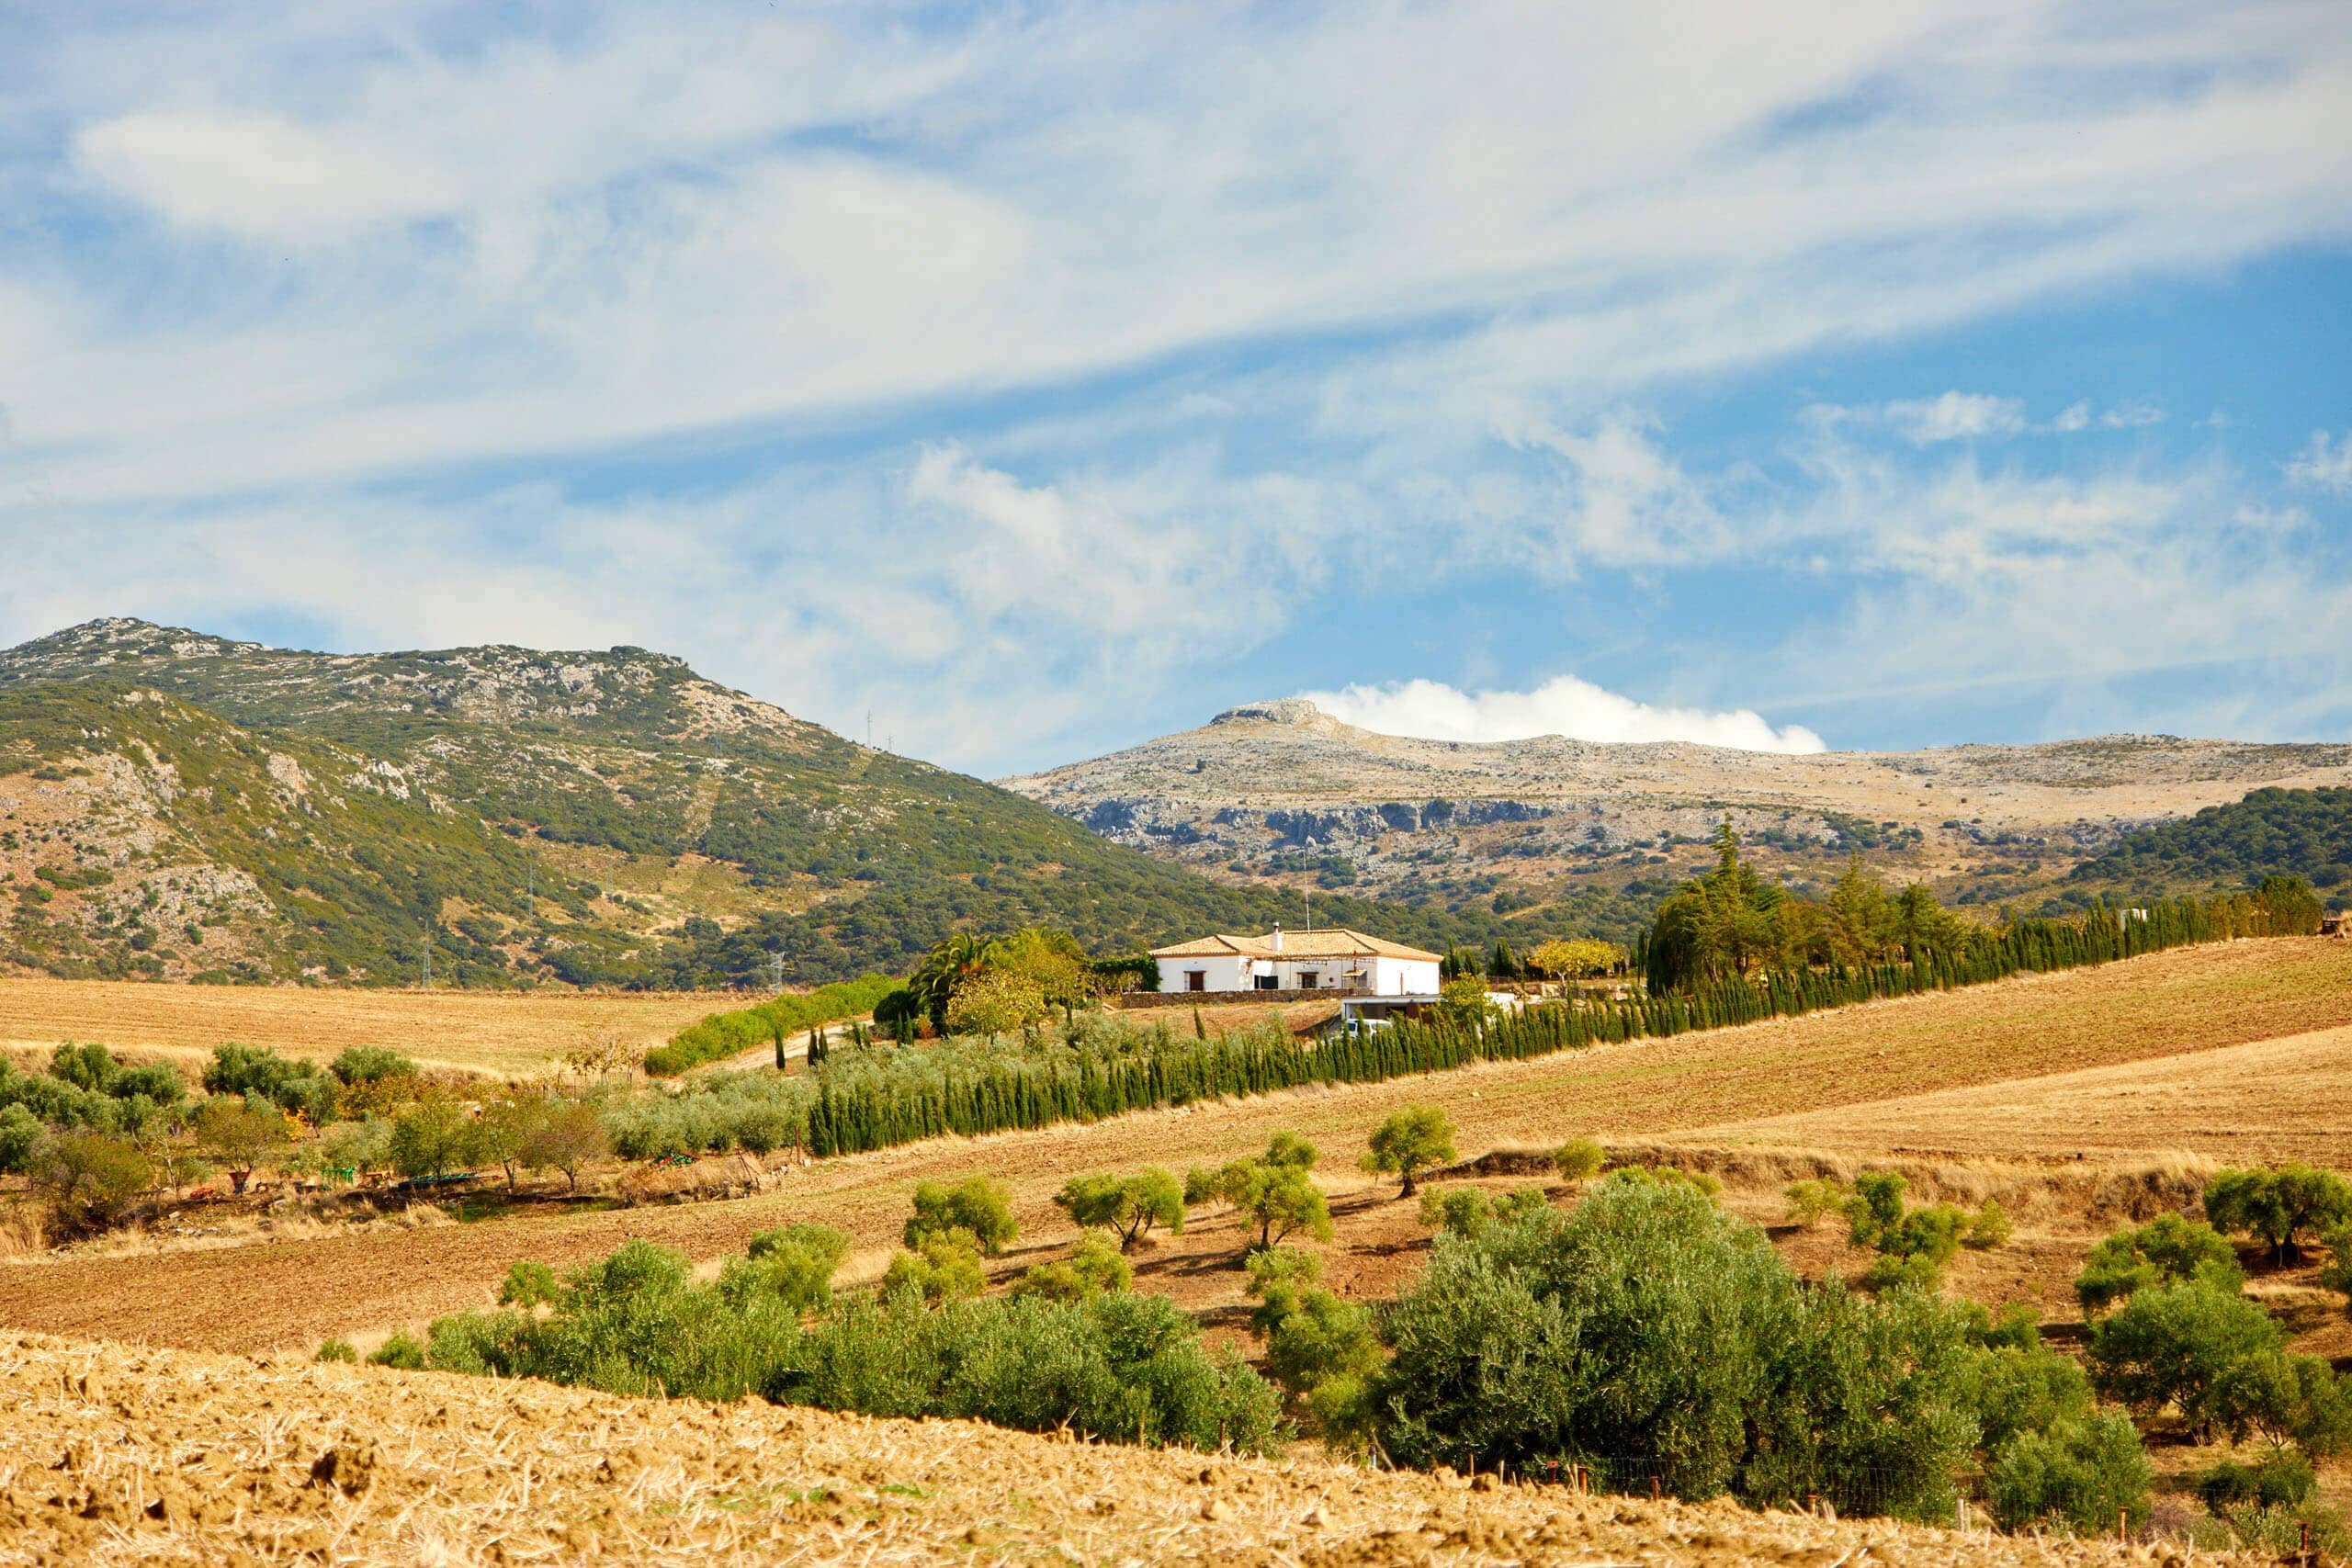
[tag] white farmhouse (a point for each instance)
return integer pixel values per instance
(1298, 961)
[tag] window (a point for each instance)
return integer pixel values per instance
(1270, 982)
(1308, 979)
(1197, 979)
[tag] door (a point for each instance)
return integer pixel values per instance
(1197, 979)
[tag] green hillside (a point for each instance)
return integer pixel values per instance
(592, 818)
(2271, 832)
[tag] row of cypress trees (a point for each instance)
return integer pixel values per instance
(1030, 1092)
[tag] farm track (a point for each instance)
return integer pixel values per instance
(487, 1031)
(121, 1456)
(2163, 1013)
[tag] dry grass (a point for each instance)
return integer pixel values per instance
(120, 1457)
(487, 1031)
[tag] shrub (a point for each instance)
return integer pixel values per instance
(400, 1351)
(429, 1139)
(238, 1133)
(370, 1064)
(1989, 1229)
(2079, 1475)
(567, 1136)
(2337, 1273)
(1468, 1210)
(1874, 1207)
(2017, 1390)
(20, 1134)
(2173, 1344)
(258, 1072)
(1705, 1184)
(2285, 1534)
(1093, 1267)
(2166, 1249)
(977, 1206)
(944, 1265)
(1650, 1326)
(1579, 1159)
(2279, 1479)
(1129, 1206)
(1815, 1199)
(529, 1285)
(1114, 1365)
(336, 1351)
(1320, 1350)
(1412, 1141)
(88, 1178)
(2277, 1204)
(2285, 1398)
(996, 1002)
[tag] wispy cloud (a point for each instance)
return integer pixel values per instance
(2324, 464)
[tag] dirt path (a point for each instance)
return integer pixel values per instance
(2173, 1005)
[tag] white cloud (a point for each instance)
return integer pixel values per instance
(1955, 416)
(258, 176)
(643, 224)
(1621, 501)
(2073, 417)
(2323, 465)
(1562, 706)
(2132, 416)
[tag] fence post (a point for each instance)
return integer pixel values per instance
(2124, 1524)
(1654, 1489)
(1553, 1474)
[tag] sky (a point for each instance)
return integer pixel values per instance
(1038, 379)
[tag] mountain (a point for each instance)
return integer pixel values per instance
(1281, 791)
(180, 806)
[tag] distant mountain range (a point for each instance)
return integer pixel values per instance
(1283, 791)
(180, 806)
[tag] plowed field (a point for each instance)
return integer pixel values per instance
(2176, 1015)
(164, 1456)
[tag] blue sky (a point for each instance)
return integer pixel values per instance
(1040, 379)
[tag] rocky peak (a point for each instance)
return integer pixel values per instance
(1286, 710)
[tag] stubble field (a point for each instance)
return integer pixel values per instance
(483, 1031)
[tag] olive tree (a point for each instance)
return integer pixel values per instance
(1129, 1206)
(1417, 1139)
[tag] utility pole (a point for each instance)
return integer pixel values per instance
(775, 972)
(428, 957)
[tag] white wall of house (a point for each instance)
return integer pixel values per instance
(1231, 972)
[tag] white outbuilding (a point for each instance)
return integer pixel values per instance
(1340, 960)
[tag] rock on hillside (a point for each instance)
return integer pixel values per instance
(1283, 790)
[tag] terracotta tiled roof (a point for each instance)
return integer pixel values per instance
(1340, 942)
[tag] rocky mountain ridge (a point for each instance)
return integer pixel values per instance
(181, 806)
(1282, 791)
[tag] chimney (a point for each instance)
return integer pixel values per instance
(1277, 943)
